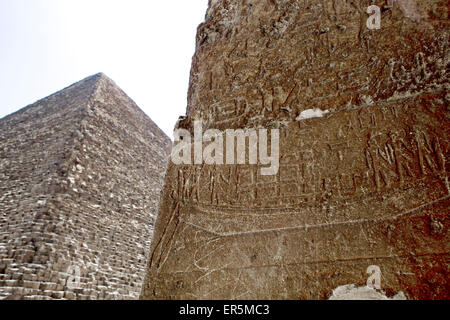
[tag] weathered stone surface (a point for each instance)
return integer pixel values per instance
(351, 292)
(80, 178)
(366, 184)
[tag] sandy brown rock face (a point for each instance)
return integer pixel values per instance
(80, 177)
(366, 184)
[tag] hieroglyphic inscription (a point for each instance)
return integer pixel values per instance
(368, 153)
(365, 184)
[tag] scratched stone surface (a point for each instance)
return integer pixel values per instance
(367, 184)
(80, 177)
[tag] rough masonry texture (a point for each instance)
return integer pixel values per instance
(366, 184)
(80, 178)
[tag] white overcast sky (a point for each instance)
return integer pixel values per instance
(145, 46)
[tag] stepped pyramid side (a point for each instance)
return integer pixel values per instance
(365, 185)
(80, 178)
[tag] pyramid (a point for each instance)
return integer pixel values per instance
(358, 91)
(80, 178)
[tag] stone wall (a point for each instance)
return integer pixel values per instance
(80, 178)
(366, 184)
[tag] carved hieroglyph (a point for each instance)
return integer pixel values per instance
(366, 184)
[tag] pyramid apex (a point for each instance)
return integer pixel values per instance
(98, 76)
(101, 75)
